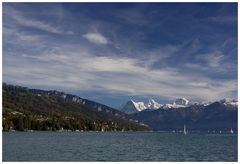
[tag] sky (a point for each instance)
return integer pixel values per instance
(113, 52)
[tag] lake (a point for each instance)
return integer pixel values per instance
(118, 146)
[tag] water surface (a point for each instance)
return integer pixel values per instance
(117, 146)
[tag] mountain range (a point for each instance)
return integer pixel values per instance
(133, 107)
(220, 115)
(33, 109)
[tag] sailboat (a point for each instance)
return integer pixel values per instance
(231, 131)
(184, 130)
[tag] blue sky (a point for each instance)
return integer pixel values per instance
(111, 52)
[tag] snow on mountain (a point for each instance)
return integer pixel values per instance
(178, 103)
(233, 103)
(133, 107)
(170, 106)
(139, 105)
(152, 104)
(226, 102)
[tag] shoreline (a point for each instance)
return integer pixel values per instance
(160, 132)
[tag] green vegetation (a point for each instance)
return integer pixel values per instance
(24, 110)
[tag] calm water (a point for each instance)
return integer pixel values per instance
(117, 146)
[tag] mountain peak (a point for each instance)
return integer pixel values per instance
(152, 104)
(228, 102)
(133, 107)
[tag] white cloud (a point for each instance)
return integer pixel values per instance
(213, 62)
(64, 68)
(22, 20)
(37, 24)
(212, 59)
(96, 38)
(76, 67)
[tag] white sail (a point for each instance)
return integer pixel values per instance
(184, 130)
(231, 131)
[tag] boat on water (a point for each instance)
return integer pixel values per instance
(184, 130)
(231, 131)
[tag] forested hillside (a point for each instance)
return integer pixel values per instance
(26, 109)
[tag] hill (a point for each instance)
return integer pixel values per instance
(32, 109)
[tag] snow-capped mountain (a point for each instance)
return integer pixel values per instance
(152, 104)
(226, 102)
(217, 115)
(133, 107)
(170, 106)
(178, 103)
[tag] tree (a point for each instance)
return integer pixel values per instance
(27, 122)
(20, 124)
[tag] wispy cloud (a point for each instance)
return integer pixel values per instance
(119, 55)
(213, 59)
(28, 21)
(96, 38)
(213, 64)
(86, 71)
(37, 24)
